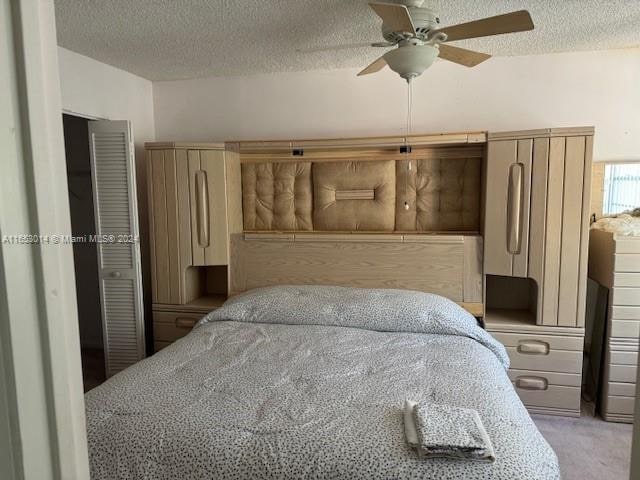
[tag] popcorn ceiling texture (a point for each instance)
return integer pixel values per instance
(180, 39)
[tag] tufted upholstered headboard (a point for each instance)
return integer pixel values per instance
(440, 185)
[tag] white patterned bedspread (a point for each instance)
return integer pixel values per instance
(261, 389)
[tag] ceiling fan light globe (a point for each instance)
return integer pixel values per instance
(411, 61)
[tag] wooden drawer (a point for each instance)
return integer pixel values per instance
(547, 390)
(622, 373)
(626, 262)
(619, 405)
(625, 328)
(545, 353)
(622, 389)
(626, 279)
(626, 296)
(170, 326)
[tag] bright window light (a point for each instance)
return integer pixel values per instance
(621, 187)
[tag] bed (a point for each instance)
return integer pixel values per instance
(309, 382)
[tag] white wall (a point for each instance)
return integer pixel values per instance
(91, 88)
(506, 93)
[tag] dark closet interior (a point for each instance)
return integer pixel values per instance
(85, 256)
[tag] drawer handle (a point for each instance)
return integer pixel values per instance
(533, 347)
(532, 383)
(185, 322)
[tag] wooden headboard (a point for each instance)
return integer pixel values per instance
(333, 213)
(449, 265)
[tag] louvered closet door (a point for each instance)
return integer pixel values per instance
(114, 190)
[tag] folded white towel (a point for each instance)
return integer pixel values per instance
(436, 430)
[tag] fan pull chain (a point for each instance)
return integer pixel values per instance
(406, 143)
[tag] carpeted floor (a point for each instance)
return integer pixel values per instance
(588, 447)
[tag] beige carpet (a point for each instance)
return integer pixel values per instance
(588, 447)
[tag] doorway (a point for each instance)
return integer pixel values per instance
(85, 253)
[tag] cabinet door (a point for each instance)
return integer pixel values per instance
(169, 224)
(207, 189)
(508, 194)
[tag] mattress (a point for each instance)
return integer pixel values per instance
(309, 382)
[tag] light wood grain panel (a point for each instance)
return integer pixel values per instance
(160, 228)
(538, 218)
(571, 231)
(597, 188)
(187, 288)
(193, 158)
(553, 231)
(553, 378)
(173, 232)
(436, 268)
(583, 264)
(152, 245)
(500, 156)
(212, 162)
(364, 154)
(521, 259)
(542, 132)
(234, 189)
(472, 278)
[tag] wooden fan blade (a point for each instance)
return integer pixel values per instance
(346, 46)
(394, 16)
(508, 23)
(376, 66)
(465, 57)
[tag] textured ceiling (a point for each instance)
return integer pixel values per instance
(177, 39)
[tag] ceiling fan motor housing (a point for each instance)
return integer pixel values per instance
(424, 20)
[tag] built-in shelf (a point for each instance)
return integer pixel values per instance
(203, 304)
(508, 317)
(513, 320)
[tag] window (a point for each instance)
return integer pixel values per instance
(621, 187)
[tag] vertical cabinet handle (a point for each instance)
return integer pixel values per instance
(202, 206)
(514, 208)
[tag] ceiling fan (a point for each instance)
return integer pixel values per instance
(419, 39)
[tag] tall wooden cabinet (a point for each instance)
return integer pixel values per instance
(535, 260)
(193, 208)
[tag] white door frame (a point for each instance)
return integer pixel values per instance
(42, 423)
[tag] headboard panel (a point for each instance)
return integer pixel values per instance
(449, 265)
(277, 196)
(364, 190)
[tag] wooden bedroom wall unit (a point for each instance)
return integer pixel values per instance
(194, 205)
(614, 262)
(537, 212)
